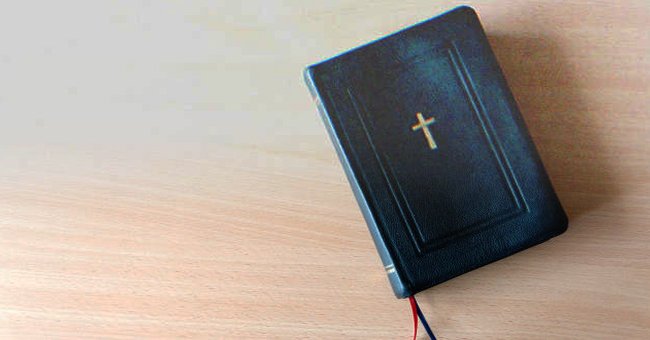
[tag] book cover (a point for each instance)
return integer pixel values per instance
(436, 151)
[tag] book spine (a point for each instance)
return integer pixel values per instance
(399, 288)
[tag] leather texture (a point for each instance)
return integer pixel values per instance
(436, 150)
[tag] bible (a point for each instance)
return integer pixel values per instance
(436, 151)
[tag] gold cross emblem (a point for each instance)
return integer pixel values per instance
(424, 125)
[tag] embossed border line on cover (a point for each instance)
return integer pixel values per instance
(486, 127)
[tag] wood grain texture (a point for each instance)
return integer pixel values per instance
(164, 174)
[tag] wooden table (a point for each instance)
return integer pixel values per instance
(164, 174)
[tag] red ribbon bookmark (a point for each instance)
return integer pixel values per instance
(417, 313)
(414, 308)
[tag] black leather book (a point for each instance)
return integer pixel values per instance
(436, 151)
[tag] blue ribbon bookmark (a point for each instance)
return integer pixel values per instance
(416, 310)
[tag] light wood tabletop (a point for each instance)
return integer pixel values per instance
(164, 174)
